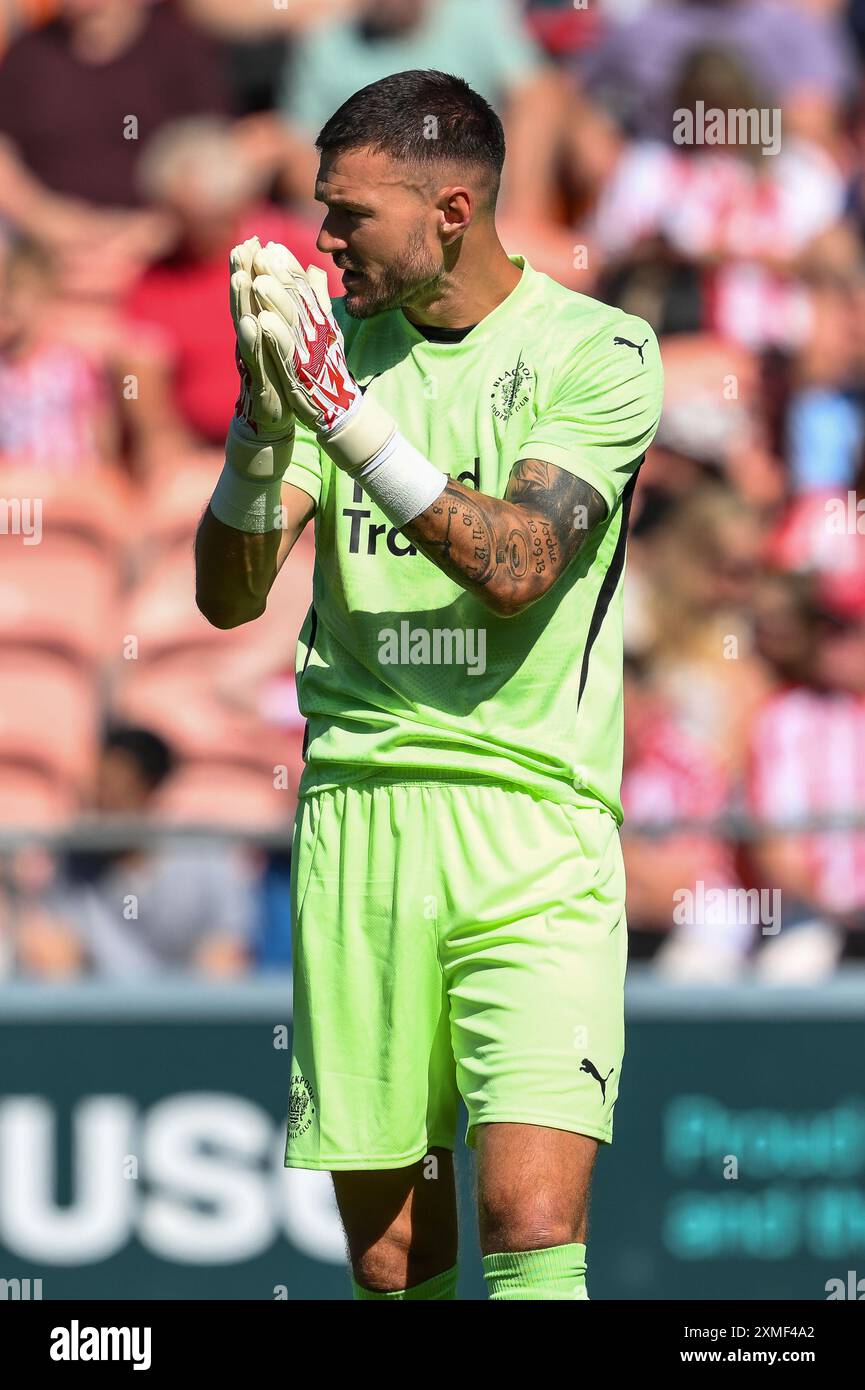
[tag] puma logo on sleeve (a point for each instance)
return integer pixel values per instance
(638, 347)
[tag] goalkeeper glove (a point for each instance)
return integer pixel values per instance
(261, 435)
(307, 350)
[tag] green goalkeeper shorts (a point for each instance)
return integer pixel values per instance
(451, 939)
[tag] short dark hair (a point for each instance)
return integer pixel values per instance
(420, 117)
(151, 753)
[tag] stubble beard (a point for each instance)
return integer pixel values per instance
(410, 280)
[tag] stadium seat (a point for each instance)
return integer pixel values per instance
(94, 505)
(161, 613)
(207, 691)
(172, 506)
(31, 799)
(48, 716)
(58, 595)
(178, 698)
(213, 793)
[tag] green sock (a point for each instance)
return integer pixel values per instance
(556, 1273)
(440, 1286)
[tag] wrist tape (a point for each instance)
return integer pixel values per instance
(396, 476)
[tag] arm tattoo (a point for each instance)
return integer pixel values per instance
(509, 551)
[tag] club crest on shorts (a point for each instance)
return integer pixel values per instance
(301, 1106)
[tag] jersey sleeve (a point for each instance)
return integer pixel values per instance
(603, 409)
(304, 471)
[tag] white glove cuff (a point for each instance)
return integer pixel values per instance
(367, 445)
(247, 504)
(360, 434)
(253, 457)
(248, 493)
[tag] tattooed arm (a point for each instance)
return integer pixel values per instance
(509, 551)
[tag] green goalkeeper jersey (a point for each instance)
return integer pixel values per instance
(402, 671)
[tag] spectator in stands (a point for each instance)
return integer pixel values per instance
(714, 423)
(668, 778)
(255, 37)
(55, 410)
(179, 330)
(822, 530)
(743, 210)
(825, 417)
(484, 42)
(806, 760)
(78, 99)
(798, 51)
(701, 566)
(135, 912)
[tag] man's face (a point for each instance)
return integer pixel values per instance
(381, 229)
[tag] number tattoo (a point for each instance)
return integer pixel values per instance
(510, 550)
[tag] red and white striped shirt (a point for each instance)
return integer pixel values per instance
(807, 757)
(51, 404)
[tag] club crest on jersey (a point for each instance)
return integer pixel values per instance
(510, 393)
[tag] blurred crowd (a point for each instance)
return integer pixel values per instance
(139, 141)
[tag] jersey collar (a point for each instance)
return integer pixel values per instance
(457, 337)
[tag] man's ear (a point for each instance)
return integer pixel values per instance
(457, 206)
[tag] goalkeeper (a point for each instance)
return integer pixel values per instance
(466, 435)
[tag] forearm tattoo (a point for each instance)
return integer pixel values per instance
(509, 550)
